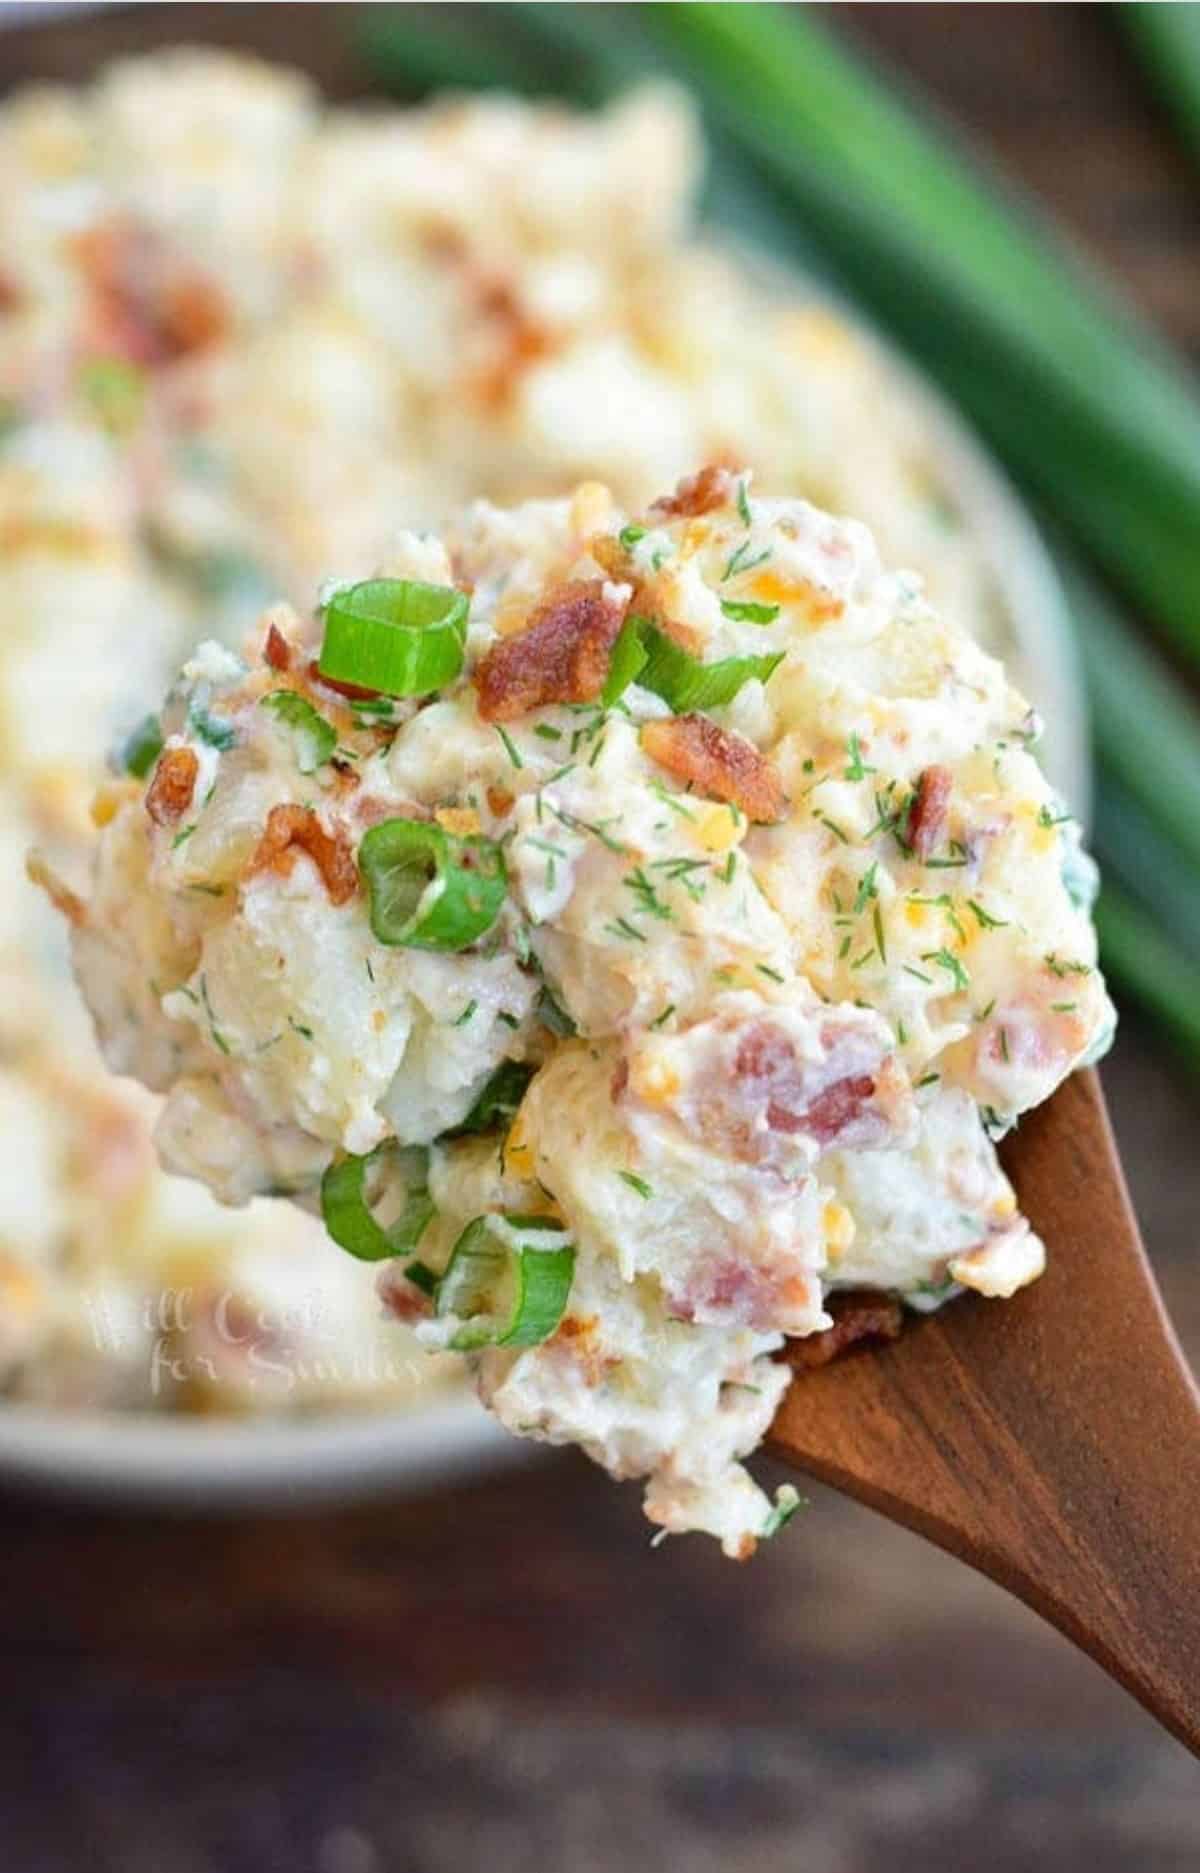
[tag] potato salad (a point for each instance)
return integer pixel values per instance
(632, 932)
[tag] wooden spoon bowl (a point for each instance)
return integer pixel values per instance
(1051, 1441)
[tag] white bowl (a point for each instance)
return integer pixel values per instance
(212, 1463)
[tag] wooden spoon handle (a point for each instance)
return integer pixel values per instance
(1053, 1441)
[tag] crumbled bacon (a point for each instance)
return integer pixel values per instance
(716, 763)
(857, 1317)
(767, 1058)
(172, 785)
(400, 1297)
(715, 486)
(145, 306)
(927, 820)
(561, 655)
(290, 829)
(354, 691)
(277, 650)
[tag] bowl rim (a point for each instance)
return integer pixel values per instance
(215, 1463)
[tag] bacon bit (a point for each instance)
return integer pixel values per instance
(720, 765)
(355, 691)
(579, 1335)
(500, 801)
(522, 342)
(296, 828)
(715, 486)
(401, 1299)
(857, 1317)
(10, 294)
(766, 1056)
(927, 820)
(277, 650)
(169, 794)
(192, 314)
(348, 778)
(68, 902)
(143, 307)
(561, 655)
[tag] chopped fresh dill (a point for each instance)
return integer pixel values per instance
(912, 970)
(460, 1021)
(636, 1183)
(867, 889)
(1058, 967)
(772, 975)
(660, 1020)
(219, 1040)
(984, 918)
(856, 768)
(595, 827)
(621, 926)
(739, 562)
(510, 746)
(646, 895)
(950, 963)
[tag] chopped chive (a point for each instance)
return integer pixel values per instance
(912, 970)
(460, 1021)
(636, 1183)
(743, 503)
(630, 535)
(879, 939)
(661, 1020)
(772, 975)
(548, 732)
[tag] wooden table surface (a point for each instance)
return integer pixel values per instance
(503, 1674)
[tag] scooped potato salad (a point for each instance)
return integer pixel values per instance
(632, 932)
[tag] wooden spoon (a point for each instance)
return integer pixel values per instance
(1051, 1441)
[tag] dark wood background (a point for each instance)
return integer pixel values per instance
(503, 1674)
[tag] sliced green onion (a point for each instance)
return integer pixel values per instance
(686, 683)
(427, 889)
(743, 612)
(507, 1280)
(499, 1099)
(141, 747)
(347, 1213)
(788, 1501)
(116, 391)
(397, 636)
(313, 738)
(213, 729)
(628, 657)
